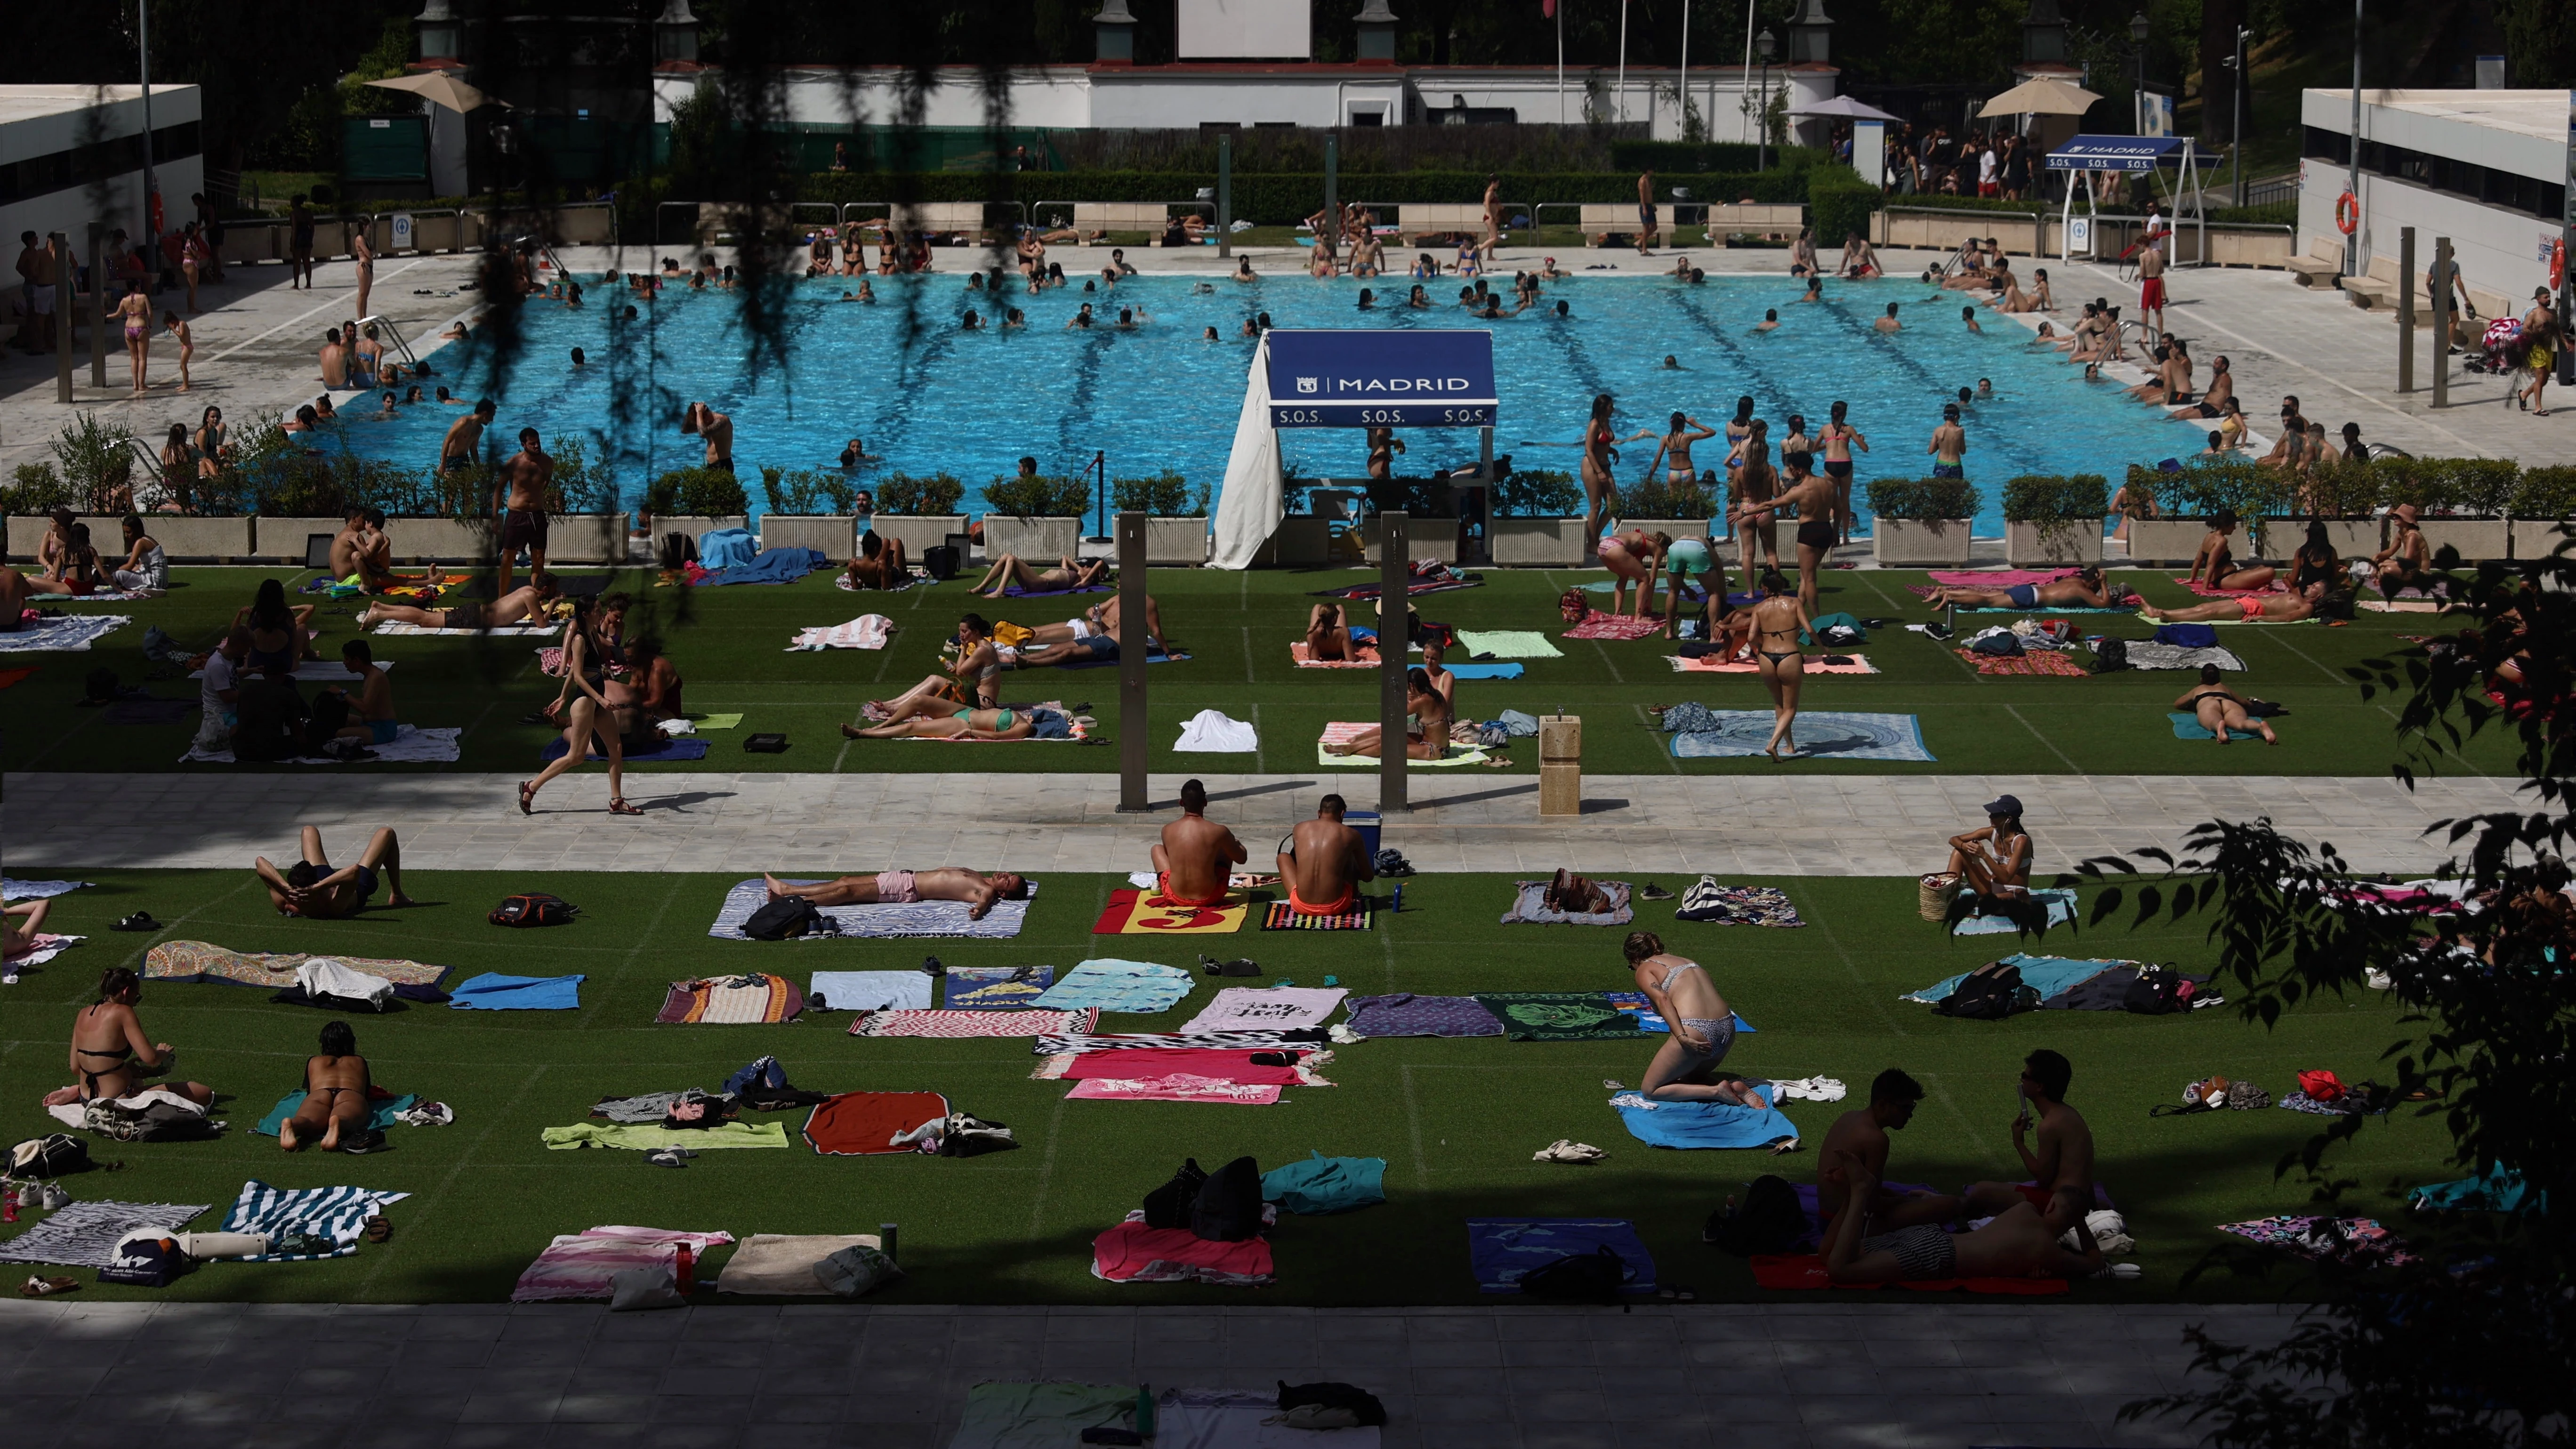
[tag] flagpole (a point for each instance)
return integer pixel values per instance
(1559, 8)
(1623, 60)
(1747, 72)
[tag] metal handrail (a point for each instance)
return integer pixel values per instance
(386, 324)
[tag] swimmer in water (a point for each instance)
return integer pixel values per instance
(1770, 320)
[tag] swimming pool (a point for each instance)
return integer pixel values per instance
(929, 397)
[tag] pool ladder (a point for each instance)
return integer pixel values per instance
(386, 324)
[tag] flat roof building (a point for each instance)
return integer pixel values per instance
(2486, 168)
(71, 155)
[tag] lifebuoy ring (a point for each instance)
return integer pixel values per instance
(2557, 263)
(2347, 213)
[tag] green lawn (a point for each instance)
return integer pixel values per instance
(1237, 626)
(1455, 1120)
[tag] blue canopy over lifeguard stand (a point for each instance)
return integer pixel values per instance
(2089, 156)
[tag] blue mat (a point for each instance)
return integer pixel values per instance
(1701, 1124)
(1154, 657)
(2047, 975)
(381, 1111)
(492, 991)
(678, 749)
(774, 566)
(2061, 909)
(1821, 734)
(1502, 1249)
(1486, 671)
(2189, 727)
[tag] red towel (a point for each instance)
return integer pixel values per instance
(1807, 1270)
(1135, 1063)
(857, 1124)
(1134, 1253)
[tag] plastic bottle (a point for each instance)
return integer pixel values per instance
(686, 1275)
(1399, 899)
(1145, 1411)
(9, 1203)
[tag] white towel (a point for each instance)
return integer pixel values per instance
(60, 635)
(1211, 732)
(1812, 1089)
(415, 744)
(868, 631)
(537, 630)
(322, 976)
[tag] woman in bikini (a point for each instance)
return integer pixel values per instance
(2220, 709)
(2216, 563)
(588, 714)
(1685, 1067)
(1738, 428)
(110, 1052)
(1426, 725)
(1600, 450)
(937, 719)
(1328, 636)
(1634, 556)
(279, 635)
(1754, 485)
(1779, 619)
(214, 443)
(178, 468)
(1673, 454)
(1012, 571)
(2316, 561)
(76, 570)
(136, 309)
(1383, 445)
(336, 1089)
(1838, 437)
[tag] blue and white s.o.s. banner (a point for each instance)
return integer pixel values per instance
(1409, 379)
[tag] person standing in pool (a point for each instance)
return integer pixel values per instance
(1949, 445)
(717, 429)
(1838, 438)
(1600, 450)
(1889, 323)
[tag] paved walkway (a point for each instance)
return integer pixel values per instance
(1806, 824)
(1940, 1372)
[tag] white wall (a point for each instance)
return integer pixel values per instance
(1179, 97)
(30, 128)
(1052, 96)
(2499, 251)
(1244, 29)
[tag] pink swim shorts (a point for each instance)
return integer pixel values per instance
(896, 888)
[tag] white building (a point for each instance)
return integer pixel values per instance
(71, 155)
(2486, 168)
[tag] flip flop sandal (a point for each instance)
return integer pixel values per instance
(1676, 1294)
(36, 1287)
(139, 921)
(377, 1229)
(667, 1157)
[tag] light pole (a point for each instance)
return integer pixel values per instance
(2138, 30)
(2352, 173)
(2236, 97)
(1763, 46)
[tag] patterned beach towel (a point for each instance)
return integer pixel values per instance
(2036, 661)
(1405, 1014)
(732, 1001)
(1178, 1087)
(11, 888)
(881, 923)
(85, 1234)
(1109, 984)
(53, 636)
(1529, 907)
(1266, 1008)
(201, 961)
(1285, 917)
(1558, 1015)
(2148, 654)
(1056, 1044)
(995, 988)
(1821, 734)
(1141, 912)
(1615, 626)
(1817, 664)
(507, 630)
(868, 631)
(580, 1265)
(1503, 1249)
(973, 1023)
(1728, 905)
(337, 1213)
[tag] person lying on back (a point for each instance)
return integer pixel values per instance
(980, 890)
(1323, 861)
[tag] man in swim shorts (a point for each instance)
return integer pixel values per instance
(519, 505)
(1323, 862)
(2060, 1161)
(2248, 608)
(1195, 855)
(2151, 284)
(1862, 1136)
(981, 890)
(1949, 445)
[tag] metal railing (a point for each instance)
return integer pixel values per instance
(386, 325)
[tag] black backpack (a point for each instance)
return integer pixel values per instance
(2110, 656)
(1990, 993)
(1594, 1277)
(678, 549)
(1363, 1405)
(534, 909)
(1768, 1220)
(2158, 991)
(51, 1155)
(787, 918)
(1169, 1206)
(1228, 1209)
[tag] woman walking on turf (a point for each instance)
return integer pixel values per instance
(1779, 621)
(1685, 1067)
(588, 715)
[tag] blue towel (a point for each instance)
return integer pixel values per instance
(494, 992)
(1323, 1184)
(2189, 727)
(1502, 1249)
(671, 749)
(725, 548)
(2061, 909)
(1486, 671)
(380, 1113)
(1649, 1020)
(2500, 1189)
(1114, 985)
(2047, 975)
(773, 566)
(1701, 1124)
(337, 1213)
(2189, 636)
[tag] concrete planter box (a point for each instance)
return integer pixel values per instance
(447, 540)
(1301, 542)
(283, 540)
(1176, 542)
(2532, 537)
(1549, 543)
(2071, 544)
(1913, 543)
(1041, 541)
(694, 525)
(2280, 537)
(587, 538)
(918, 531)
(835, 535)
(186, 539)
(1433, 538)
(2475, 538)
(2170, 540)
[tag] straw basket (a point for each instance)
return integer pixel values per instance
(1935, 891)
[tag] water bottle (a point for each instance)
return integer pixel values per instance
(1398, 904)
(1145, 1411)
(9, 1204)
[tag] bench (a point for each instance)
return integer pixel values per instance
(1415, 220)
(1096, 219)
(1602, 220)
(938, 218)
(2322, 264)
(1769, 220)
(2379, 287)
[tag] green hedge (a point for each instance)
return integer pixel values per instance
(1044, 496)
(1680, 157)
(1166, 495)
(808, 491)
(698, 493)
(902, 493)
(2032, 498)
(1839, 204)
(2334, 488)
(1923, 500)
(2546, 493)
(1286, 198)
(1656, 499)
(1539, 493)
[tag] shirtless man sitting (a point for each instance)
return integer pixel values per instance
(335, 1095)
(981, 890)
(2060, 1163)
(2017, 1244)
(1195, 855)
(355, 551)
(2085, 590)
(2266, 608)
(1010, 570)
(1862, 1137)
(522, 603)
(312, 889)
(1323, 862)
(880, 563)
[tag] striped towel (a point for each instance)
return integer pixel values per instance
(522, 630)
(579, 1265)
(732, 1001)
(881, 922)
(868, 631)
(85, 1234)
(337, 1213)
(1285, 917)
(974, 1023)
(1060, 1044)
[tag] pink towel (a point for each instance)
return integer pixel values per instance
(1615, 626)
(1178, 1087)
(1134, 1253)
(2001, 578)
(580, 1265)
(2205, 591)
(1148, 1064)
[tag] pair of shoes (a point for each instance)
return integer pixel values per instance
(1563, 1150)
(139, 921)
(377, 1229)
(669, 1157)
(1653, 892)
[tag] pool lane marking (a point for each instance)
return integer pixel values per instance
(340, 300)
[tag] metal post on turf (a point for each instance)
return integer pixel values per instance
(1394, 614)
(2442, 322)
(2406, 309)
(1133, 736)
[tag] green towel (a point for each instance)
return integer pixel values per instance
(2189, 727)
(620, 1134)
(706, 722)
(1509, 644)
(380, 1115)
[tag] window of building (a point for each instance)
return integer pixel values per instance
(80, 165)
(2487, 185)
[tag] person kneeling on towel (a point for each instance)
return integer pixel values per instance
(1323, 862)
(1685, 1067)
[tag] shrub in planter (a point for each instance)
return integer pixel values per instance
(805, 491)
(2055, 506)
(1538, 493)
(1166, 495)
(1039, 497)
(2541, 493)
(34, 489)
(1656, 499)
(902, 494)
(2211, 486)
(2477, 487)
(96, 463)
(2335, 488)
(580, 485)
(697, 493)
(1924, 500)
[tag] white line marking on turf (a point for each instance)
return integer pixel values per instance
(1413, 1124)
(2015, 712)
(1046, 1170)
(383, 1260)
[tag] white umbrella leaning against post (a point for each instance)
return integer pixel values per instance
(1844, 108)
(442, 91)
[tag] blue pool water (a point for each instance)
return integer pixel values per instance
(932, 398)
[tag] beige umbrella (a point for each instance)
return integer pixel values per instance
(442, 89)
(2041, 97)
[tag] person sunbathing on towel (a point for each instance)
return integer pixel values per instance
(335, 1095)
(2017, 1244)
(522, 603)
(1328, 633)
(1426, 725)
(938, 719)
(110, 1051)
(1685, 1067)
(2220, 709)
(1012, 570)
(1095, 636)
(1995, 861)
(312, 889)
(2250, 608)
(1862, 1136)
(1323, 862)
(2084, 591)
(1196, 854)
(880, 563)
(981, 890)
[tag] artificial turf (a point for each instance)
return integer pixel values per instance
(728, 644)
(1456, 1120)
